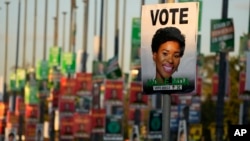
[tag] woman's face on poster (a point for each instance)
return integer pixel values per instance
(167, 59)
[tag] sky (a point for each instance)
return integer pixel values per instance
(237, 9)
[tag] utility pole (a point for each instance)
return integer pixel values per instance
(64, 21)
(222, 84)
(24, 33)
(116, 49)
(85, 37)
(56, 23)
(123, 35)
(101, 24)
(45, 30)
(34, 36)
(6, 49)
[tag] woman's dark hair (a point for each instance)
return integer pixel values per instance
(163, 35)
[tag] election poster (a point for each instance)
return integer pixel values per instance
(98, 120)
(168, 47)
(68, 86)
(137, 99)
(10, 134)
(114, 91)
(84, 83)
(66, 128)
(32, 113)
(82, 126)
(113, 129)
(30, 131)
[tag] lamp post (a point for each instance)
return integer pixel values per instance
(85, 33)
(45, 30)
(6, 49)
(24, 33)
(64, 20)
(34, 35)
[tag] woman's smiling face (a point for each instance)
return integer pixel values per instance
(167, 59)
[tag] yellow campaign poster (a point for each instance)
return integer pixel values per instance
(195, 132)
(168, 47)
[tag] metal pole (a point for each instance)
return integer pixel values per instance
(57, 23)
(222, 86)
(45, 30)
(106, 30)
(64, 20)
(101, 23)
(123, 34)
(6, 41)
(55, 31)
(18, 31)
(85, 33)
(166, 112)
(74, 30)
(6, 52)
(95, 19)
(116, 49)
(85, 25)
(70, 28)
(249, 20)
(34, 36)
(166, 117)
(24, 33)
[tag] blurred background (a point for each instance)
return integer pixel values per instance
(76, 52)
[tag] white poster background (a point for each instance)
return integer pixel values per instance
(187, 67)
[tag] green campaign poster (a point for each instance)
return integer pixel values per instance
(13, 82)
(21, 78)
(155, 124)
(31, 94)
(136, 43)
(222, 35)
(17, 80)
(68, 64)
(42, 70)
(54, 56)
(113, 69)
(99, 70)
(244, 46)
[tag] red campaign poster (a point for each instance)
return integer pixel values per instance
(137, 99)
(215, 83)
(96, 91)
(242, 82)
(82, 125)
(113, 91)
(66, 128)
(55, 99)
(66, 105)
(30, 131)
(84, 83)
(32, 113)
(136, 115)
(12, 119)
(98, 120)
(2, 110)
(199, 86)
(20, 105)
(68, 86)
(2, 125)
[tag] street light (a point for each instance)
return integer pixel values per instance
(6, 49)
